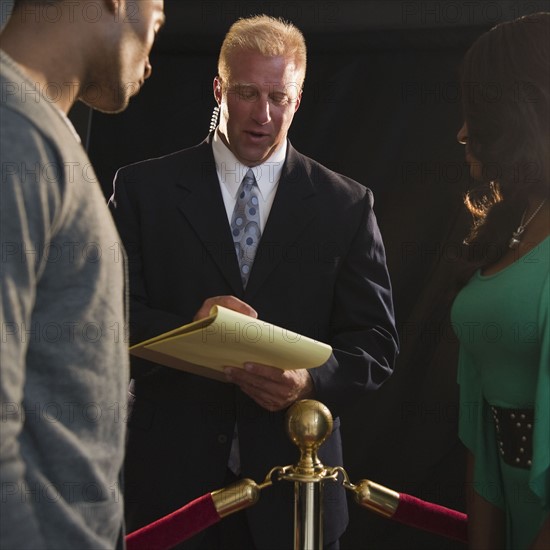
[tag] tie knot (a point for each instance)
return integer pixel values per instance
(249, 178)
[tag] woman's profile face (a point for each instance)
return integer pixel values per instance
(476, 169)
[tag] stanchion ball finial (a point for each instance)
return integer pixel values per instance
(308, 423)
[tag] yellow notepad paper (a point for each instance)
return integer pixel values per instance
(228, 338)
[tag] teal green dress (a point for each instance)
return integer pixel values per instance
(502, 322)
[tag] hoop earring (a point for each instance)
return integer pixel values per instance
(214, 119)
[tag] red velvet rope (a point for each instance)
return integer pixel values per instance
(176, 527)
(201, 513)
(431, 517)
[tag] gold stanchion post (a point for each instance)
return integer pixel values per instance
(308, 425)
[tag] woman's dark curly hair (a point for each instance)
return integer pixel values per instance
(505, 84)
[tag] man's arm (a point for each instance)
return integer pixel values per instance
(25, 211)
(145, 321)
(363, 333)
(364, 337)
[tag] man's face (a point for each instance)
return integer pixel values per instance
(257, 104)
(124, 65)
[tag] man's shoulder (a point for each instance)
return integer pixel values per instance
(324, 178)
(29, 123)
(22, 139)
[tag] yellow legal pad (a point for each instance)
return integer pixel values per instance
(228, 338)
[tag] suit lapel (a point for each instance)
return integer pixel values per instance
(202, 205)
(290, 214)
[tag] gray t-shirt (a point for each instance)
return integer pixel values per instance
(64, 360)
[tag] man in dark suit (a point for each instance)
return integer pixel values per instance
(319, 270)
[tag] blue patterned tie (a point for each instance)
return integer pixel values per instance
(245, 224)
(245, 227)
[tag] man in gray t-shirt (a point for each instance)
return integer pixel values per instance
(63, 353)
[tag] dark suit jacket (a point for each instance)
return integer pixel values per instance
(319, 270)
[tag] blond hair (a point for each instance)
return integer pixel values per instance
(266, 35)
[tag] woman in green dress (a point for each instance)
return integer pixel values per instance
(501, 316)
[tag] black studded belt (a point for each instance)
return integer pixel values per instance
(514, 429)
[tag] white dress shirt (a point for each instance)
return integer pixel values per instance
(231, 173)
